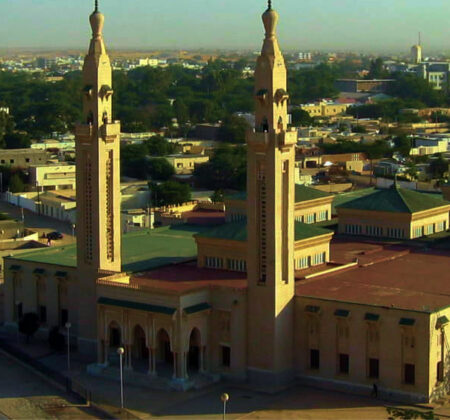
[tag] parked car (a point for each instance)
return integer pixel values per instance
(54, 235)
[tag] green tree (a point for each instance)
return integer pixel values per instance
(170, 192)
(403, 145)
(300, 117)
(16, 184)
(377, 70)
(438, 167)
(17, 140)
(218, 196)
(160, 169)
(233, 129)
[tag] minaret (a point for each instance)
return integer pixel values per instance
(270, 207)
(98, 181)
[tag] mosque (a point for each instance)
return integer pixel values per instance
(258, 300)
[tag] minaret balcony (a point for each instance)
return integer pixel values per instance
(84, 130)
(110, 131)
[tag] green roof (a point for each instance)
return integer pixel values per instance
(237, 231)
(197, 308)
(395, 200)
(141, 251)
(136, 305)
(302, 193)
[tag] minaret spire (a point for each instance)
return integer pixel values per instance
(270, 5)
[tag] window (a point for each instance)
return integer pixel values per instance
(440, 226)
(302, 263)
(418, 232)
(309, 218)
(27, 160)
(429, 230)
(440, 371)
(226, 356)
(43, 314)
(318, 258)
(64, 317)
(409, 373)
(11, 161)
(344, 363)
(314, 359)
(373, 368)
(114, 339)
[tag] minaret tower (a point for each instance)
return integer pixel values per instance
(98, 160)
(270, 209)
(98, 184)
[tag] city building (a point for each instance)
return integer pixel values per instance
(184, 164)
(356, 85)
(23, 158)
(53, 177)
(325, 109)
(378, 314)
(394, 213)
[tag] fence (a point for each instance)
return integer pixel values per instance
(73, 388)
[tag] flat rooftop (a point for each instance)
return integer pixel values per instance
(186, 277)
(140, 250)
(388, 277)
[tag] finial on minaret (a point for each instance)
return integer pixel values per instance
(96, 6)
(270, 5)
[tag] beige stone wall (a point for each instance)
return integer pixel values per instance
(313, 211)
(429, 222)
(386, 340)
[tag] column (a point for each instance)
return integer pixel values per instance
(202, 359)
(100, 351)
(106, 351)
(175, 363)
(184, 373)
(128, 365)
(151, 362)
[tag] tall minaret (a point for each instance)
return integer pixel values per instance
(270, 207)
(98, 183)
(98, 162)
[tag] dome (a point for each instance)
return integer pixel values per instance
(97, 20)
(270, 20)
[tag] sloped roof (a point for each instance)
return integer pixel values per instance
(302, 193)
(395, 200)
(237, 231)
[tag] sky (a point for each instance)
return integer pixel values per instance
(360, 25)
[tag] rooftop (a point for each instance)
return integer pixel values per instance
(140, 250)
(181, 278)
(392, 278)
(302, 193)
(237, 231)
(396, 200)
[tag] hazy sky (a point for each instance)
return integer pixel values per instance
(375, 25)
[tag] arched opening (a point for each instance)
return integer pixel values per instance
(195, 348)
(139, 350)
(90, 118)
(265, 125)
(114, 341)
(164, 356)
(280, 123)
(105, 117)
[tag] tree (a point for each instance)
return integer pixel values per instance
(233, 129)
(300, 117)
(403, 145)
(17, 140)
(29, 324)
(160, 169)
(377, 70)
(438, 167)
(16, 184)
(217, 197)
(170, 192)
(359, 129)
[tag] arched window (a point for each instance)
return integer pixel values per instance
(90, 118)
(265, 125)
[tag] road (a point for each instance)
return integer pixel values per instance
(25, 395)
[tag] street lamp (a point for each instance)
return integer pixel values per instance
(120, 352)
(224, 397)
(73, 229)
(68, 325)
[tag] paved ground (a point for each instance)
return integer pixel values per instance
(38, 222)
(24, 395)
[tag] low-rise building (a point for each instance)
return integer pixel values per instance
(356, 86)
(396, 213)
(23, 158)
(185, 164)
(53, 177)
(324, 109)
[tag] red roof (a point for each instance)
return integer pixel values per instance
(415, 280)
(186, 277)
